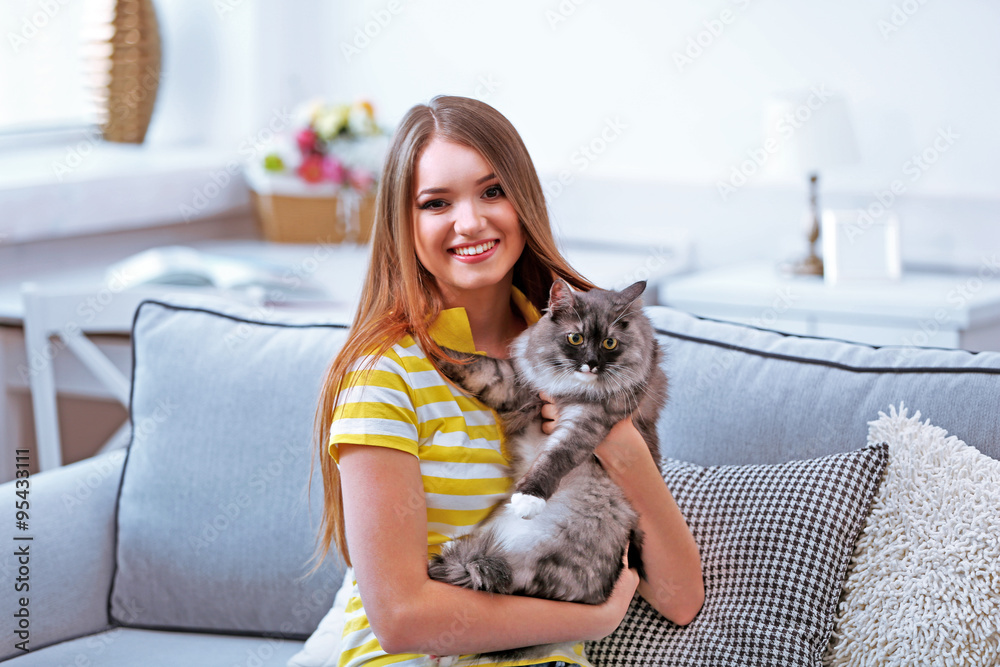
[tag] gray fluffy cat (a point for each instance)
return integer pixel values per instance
(563, 531)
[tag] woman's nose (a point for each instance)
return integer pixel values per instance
(469, 220)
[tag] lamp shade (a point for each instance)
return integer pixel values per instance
(812, 129)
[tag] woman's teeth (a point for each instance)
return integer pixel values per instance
(475, 249)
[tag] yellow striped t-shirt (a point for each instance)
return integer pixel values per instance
(405, 404)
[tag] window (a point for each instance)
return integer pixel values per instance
(50, 64)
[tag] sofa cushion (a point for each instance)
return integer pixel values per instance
(744, 395)
(215, 522)
(775, 542)
(127, 647)
(924, 581)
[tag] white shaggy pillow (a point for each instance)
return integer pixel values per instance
(322, 649)
(924, 583)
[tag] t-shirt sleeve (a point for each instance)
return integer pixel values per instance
(375, 407)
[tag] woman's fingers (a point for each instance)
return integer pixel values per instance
(550, 414)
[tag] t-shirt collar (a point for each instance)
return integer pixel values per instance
(451, 328)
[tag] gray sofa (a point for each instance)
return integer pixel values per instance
(191, 547)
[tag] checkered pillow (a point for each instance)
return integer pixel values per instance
(775, 543)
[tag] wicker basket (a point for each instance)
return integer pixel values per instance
(294, 219)
(128, 93)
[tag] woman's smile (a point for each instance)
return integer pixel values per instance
(475, 252)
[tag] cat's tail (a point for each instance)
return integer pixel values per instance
(635, 551)
(475, 562)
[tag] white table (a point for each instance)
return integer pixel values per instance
(922, 309)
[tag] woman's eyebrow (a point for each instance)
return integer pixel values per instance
(435, 191)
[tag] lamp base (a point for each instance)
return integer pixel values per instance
(810, 266)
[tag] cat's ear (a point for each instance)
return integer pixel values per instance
(560, 297)
(631, 293)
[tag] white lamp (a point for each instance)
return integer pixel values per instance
(813, 130)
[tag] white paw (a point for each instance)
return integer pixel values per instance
(526, 507)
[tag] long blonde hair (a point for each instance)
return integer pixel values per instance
(399, 296)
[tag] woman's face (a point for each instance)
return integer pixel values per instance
(466, 231)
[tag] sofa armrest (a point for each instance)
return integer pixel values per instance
(58, 581)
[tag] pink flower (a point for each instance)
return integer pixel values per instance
(333, 170)
(311, 169)
(306, 139)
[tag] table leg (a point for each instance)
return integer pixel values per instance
(10, 436)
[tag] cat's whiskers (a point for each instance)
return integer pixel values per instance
(630, 373)
(624, 384)
(617, 386)
(545, 365)
(641, 389)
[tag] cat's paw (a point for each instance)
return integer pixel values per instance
(525, 506)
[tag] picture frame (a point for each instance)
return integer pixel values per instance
(859, 247)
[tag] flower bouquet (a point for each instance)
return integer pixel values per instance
(317, 183)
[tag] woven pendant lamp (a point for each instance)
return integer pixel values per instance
(133, 72)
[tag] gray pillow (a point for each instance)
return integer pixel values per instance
(775, 543)
(214, 523)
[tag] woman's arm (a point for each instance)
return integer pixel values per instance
(386, 524)
(673, 585)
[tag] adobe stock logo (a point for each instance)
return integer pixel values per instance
(562, 12)
(783, 131)
(31, 25)
(704, 39)
(364, 34)
(900, 16)
(914, 167)
(585, 155)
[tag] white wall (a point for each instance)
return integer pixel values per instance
(686, 114)
(690, 121)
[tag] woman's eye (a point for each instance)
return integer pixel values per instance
(432, 204)
(575, 338)
(493, 192)
(609, 343)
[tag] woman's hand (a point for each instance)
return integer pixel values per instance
(550, 414)
(622, 448)
(621, 596)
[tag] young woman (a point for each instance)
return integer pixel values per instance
(462, 257)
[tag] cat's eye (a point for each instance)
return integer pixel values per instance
(575, 339)
(609, 343)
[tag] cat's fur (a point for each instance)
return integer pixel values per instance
(563, 532)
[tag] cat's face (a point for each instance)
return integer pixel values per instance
(589, 341)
